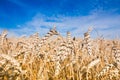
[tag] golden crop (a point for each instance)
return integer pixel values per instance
(59, 58)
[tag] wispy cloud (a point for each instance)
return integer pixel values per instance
(107, 25)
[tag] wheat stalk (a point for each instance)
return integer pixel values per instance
(13, 61)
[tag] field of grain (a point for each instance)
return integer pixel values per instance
(54, 57)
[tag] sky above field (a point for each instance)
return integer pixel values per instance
(25, 17)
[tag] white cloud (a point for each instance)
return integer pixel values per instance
(107, 25)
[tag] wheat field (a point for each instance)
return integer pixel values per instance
(57, 57)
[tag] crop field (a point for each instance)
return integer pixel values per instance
(57, 57)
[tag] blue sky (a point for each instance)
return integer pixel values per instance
(25, 17)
